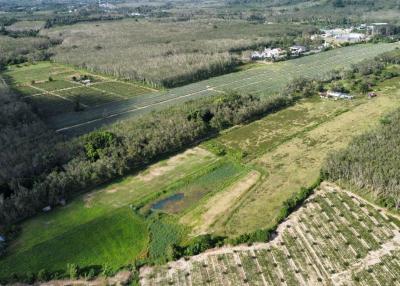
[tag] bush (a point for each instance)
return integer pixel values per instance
(73, 271)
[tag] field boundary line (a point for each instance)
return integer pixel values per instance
(54, 94)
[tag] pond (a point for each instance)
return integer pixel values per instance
(171, 199)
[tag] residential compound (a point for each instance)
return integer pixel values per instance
(278, 53)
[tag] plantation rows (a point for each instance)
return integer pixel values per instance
(265, 80)
(327, 242)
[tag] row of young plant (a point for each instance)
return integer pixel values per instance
(336, 228)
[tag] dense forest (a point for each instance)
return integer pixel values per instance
(28, 148)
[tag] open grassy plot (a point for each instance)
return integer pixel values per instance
(100, 227)
(124, 89)
(23, 26)
(114, 239)
(21, 74)
(265, 80)
(282, 126)
(54, 88)
(55, 85)
(48, 105)
(88, 96)
(334, 239)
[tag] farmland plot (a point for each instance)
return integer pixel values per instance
(265, 80)
(54, 89)
(334, 239)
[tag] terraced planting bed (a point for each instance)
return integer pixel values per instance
(265, 80)
(335, 238)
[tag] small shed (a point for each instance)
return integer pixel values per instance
(46, 209)
(2, 238)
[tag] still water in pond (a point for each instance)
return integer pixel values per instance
(171, 199)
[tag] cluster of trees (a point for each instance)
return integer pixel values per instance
(28, 149)
(371, 161)
(73, 19)
(23, 49)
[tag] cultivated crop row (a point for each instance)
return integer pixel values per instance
(333, 239)
(264, 80)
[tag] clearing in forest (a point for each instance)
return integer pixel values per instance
(335, 238)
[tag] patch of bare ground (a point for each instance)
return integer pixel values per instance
(310, 248)
(160, 169)
(220, 204)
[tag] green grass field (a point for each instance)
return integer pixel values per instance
(114, 239)
(100, 227)
(264, 80)
(50, 88)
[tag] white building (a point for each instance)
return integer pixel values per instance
(338, 95)
(343, 35)
(271, 54)
(298, 50)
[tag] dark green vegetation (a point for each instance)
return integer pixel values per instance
(143, 218)
(137, 144)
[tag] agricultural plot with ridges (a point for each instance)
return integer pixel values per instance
(335, 238)
(265, 80)
(54, 89)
